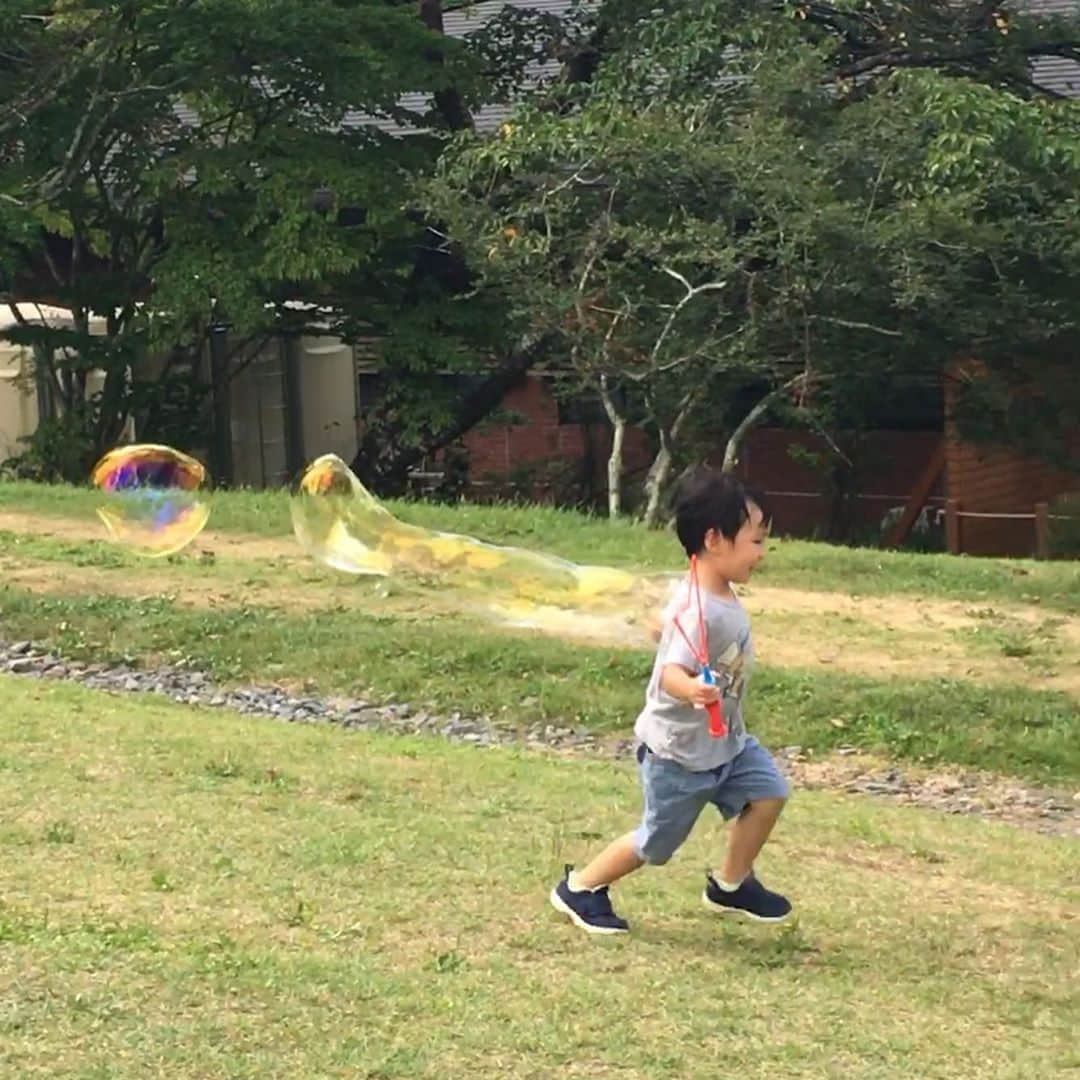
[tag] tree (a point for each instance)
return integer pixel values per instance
(447, 350)
(669, 248)
(980, 242)
(672, 48)
(781, 203)
(172, 166)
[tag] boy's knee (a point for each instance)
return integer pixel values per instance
(772, 805)
(774, 793)
(653, 854)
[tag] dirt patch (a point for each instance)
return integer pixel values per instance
(208, 543)
(882, 636)
(912, 636)
(949, 790)
(903, 613)
(895, 612)
(58, 580)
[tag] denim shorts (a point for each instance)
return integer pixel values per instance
(675, 796)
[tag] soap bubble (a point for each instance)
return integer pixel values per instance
(341, 525)
(336, 520)
(152, 498)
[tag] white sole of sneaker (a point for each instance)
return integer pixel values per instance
(558, 904)
(739, 913)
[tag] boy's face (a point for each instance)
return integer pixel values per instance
(737, 559)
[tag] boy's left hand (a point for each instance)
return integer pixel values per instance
(703, 693)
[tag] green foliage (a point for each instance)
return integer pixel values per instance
(711, 202)
(158, 165)
(433, 344)
(788, 204)
(59, 449)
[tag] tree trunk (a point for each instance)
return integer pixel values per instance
(383, 460)
(731, 451)
(221, 445)
(615, 458)
(614, 468)
(112, 409)
(448, 102)
(655, 483)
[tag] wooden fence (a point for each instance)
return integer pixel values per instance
(1040, 517)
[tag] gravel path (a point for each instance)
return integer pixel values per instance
(954, 791)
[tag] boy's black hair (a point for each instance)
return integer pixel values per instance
(710, 499)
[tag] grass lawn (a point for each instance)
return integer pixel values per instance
(458, 664)
(189, 893)
(792, 563)
(989, 683)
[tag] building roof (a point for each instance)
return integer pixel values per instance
(459, 23)
(1057, 74)
(43, 315)
(468, 20)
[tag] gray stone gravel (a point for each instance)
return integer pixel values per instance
(954, 792)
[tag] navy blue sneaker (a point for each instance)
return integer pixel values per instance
(592, 911)
(751, 900)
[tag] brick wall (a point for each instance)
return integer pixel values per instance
(993, 479)
(543, 454)
(996, 479)
(887, 467)
(540, 456)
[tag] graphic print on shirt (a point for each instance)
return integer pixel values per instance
(730, 669)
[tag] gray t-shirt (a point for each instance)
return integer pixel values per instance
(676, 730)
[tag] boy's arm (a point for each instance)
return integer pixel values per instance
(683, 684)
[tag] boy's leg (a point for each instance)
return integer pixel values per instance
(617, 860)
(748, 835)
(753, 791)
(674, 798)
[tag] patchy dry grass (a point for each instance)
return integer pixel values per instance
(915, 677)
(887, 636)
(239, 516)
(193, 894)
(460, 664)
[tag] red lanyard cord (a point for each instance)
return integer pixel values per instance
(717, 724)
(693, 594)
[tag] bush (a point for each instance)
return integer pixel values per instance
(61, 450)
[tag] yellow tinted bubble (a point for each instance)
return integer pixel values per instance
(596, 581)
(336, 520)
(341, 525)
(152, 498)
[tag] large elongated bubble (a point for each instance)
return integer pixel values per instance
(152, 498)
(341, 525)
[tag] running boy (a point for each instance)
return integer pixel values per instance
(683, 765)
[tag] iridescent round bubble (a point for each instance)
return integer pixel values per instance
(341, 525)
(152, 498)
